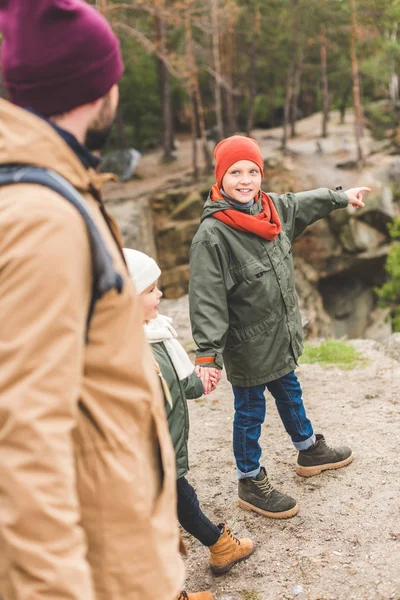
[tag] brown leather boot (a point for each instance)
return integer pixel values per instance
(197, 596)
(228, 551)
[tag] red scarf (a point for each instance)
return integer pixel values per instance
(267, 224)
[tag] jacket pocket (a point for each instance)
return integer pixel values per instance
(250, 272)
(240, 335)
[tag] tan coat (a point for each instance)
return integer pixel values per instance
(85, 512)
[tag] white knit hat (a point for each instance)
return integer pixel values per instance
(142, 268)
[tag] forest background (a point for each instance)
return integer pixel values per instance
(216, 67)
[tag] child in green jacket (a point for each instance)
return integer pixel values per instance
(245, 315)
(179, 382)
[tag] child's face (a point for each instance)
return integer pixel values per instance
(150, 299)
(242, 181)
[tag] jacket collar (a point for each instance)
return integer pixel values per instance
(28, 139)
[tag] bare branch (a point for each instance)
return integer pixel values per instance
(149, 46)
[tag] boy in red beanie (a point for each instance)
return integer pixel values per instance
(87, 473)
(245, 315)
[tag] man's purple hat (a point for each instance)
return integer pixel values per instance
(57, 54)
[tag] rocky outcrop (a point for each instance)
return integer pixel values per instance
(176, 216)
(348, 251)
(339, 260)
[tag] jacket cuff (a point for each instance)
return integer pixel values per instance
(341, 199)
(211, 360)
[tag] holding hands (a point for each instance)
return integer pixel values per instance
(209, 376)
(355, 196)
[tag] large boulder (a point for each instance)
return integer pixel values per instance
(392, 346)
(173, 243)
(315, 320)
(122, 163)
(318, 245)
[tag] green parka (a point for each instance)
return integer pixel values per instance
(243, 303)
(177, 414)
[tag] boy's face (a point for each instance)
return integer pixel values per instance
(150, 299)
(242, 181)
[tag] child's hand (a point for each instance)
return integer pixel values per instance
(209, 376)
(355, 196)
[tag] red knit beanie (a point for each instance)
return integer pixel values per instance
(232, 149)
(57, 54)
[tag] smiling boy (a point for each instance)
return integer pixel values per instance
(245, 314)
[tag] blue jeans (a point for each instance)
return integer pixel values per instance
(250, 411)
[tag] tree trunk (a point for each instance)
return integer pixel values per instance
(252, 84)
(356, 85)
(324, 85)
(343, 102)
(229, 54)
(193, 122)
(217, 67)
(295, 95)
(163, 78)
(194, 87)
(251, 88)
(101, 6)
(288, 103)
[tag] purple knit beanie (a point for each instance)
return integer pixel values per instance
(57, 54)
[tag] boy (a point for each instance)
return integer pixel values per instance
(244, 312)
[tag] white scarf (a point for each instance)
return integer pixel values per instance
(161, 330)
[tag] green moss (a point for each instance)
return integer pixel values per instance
(333, 353)
(389, 292)
(245, 595)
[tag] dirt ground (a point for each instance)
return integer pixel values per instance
(344, 544)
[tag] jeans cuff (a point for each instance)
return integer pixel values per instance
(252, 474)
(306, 444)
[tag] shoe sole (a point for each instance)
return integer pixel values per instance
(286, 514)
(311, 471)
(228, 567)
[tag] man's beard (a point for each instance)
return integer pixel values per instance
(96, 139)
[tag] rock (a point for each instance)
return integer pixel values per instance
(173, 243)
(317, 245)
(349, 302)
(123, 163)
(379, 209)
(135, 220)
(357, 236)
(380, 327)
(348, 165)
(377, 146)
(164, 203)
(392, 346)
(190, 208)
(315, 320)
(175, 282)
(394, 171)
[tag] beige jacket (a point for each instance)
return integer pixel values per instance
(87, 470)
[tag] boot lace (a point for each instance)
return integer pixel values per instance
(234, 538)
(265, 486)
(183, 595)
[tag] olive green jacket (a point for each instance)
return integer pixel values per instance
(177, 414)
(243, 304)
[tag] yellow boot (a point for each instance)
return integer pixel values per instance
(228, 551)
(196, 596)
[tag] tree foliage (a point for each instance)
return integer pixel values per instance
(256, 52)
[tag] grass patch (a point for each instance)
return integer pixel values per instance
(333, 353)
(250, 596)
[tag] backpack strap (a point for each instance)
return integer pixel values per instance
(105, 278)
